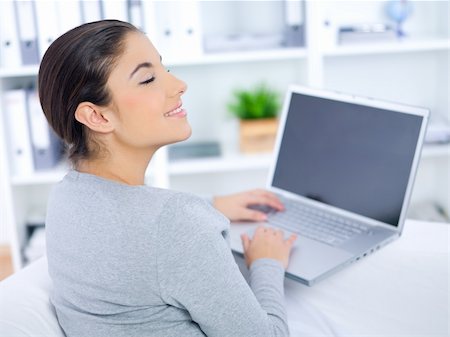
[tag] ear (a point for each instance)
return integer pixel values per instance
(91, 115)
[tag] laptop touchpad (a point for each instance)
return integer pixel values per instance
(310, 259)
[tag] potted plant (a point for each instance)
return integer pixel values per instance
(257, 110)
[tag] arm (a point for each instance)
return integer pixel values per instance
(197, 272)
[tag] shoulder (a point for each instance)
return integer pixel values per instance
(186, 213)
(84, 186)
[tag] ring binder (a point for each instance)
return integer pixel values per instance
(27, 28)
(9, 40)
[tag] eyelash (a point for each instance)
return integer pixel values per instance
(147, 81)
(150, 80)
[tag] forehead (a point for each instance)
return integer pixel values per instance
(137, 49)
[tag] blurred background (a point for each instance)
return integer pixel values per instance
(233, 55)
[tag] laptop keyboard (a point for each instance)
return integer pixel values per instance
(315, 224)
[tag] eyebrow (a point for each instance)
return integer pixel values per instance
(143, 65)
(139, 66)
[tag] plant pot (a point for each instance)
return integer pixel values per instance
(258, 135)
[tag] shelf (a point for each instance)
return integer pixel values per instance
(401, 46)
(24, 71)
(241, 56)
(435, 151)
(228, 163)
(39, 178)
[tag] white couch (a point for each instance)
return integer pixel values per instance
(402, 290)
(25, 309)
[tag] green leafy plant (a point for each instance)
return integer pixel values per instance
(260, 102)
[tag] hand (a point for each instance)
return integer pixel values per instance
(235, 206)
(267, 243)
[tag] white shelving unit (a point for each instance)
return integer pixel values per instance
(228, 163)
(403, 46)
(241, 57)
(414, 71)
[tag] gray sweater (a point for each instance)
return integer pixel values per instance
(141, 261)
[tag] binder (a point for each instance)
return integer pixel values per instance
(69, 13)
(27, 28)
(91, 10)
(150, 27)
(187, 29)
(47, 24)
(136, 14)
(45, 145)
(115, 9)
(293, 12)
(17, 132)
(178, 28)
(294, 27)
(9, 39)
(165, 27)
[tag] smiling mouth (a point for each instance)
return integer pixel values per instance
(179, 111)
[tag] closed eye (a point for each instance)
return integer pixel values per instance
(151, 79)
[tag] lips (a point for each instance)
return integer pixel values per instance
(178, 112)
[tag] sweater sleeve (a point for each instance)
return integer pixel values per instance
(197, 272)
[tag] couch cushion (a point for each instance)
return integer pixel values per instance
(25, 309)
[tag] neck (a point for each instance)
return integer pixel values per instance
(127, 167)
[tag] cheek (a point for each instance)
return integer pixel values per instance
(143, 105)
(132, 102)
(141, 112)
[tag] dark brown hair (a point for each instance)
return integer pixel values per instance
(75, 69)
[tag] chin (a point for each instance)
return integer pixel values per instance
(188, 133)
(182, 136)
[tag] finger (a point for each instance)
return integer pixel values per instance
(273, 197)
(252, 215)
(260, 229)
(261, 191)
(290, 241)
(270, 231)
(268, 199)
(245, 241)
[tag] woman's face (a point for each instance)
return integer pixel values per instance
(146, 98)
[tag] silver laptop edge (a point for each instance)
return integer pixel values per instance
(324, 262)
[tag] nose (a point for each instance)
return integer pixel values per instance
(179, 86)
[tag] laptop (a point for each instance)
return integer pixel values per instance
(344, 167)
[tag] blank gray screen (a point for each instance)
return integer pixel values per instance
(351, 156)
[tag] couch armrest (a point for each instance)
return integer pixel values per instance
(25, 308)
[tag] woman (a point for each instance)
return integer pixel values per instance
(127, 259)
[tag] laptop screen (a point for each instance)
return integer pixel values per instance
(351, 156)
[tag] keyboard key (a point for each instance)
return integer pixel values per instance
(315, 224)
